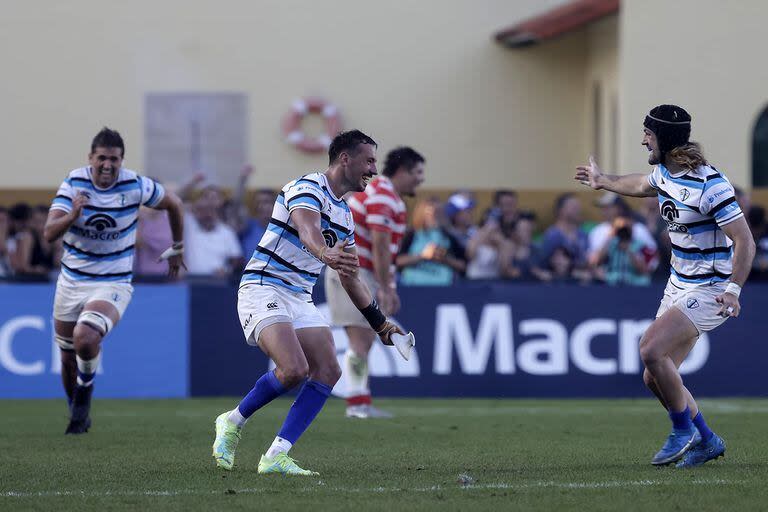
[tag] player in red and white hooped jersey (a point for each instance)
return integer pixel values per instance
(380, 221)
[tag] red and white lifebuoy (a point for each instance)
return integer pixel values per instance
(292, 124)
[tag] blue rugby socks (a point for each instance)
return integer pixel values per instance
(681, 420)
(266, 389)
(304, 410)
(703, 428)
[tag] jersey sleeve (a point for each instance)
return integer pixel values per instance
(380, 212)
(304, 194)
(64, 196)
(718, 200)
(654, 177)
(350, 240)
(151, 192)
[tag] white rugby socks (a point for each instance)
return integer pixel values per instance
(86, 370)
(279, 445)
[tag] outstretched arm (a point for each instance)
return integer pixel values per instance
(629, 185)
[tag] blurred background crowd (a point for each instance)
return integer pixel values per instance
(447, 240)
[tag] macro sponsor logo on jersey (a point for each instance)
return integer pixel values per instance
(103, 228)
(541, 346)
(330, 237)
(669, 213)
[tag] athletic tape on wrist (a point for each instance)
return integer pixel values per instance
(373, 315)
(733, 289)
(173, 250)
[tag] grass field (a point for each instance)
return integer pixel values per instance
(436, 454)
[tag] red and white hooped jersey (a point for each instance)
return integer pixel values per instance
(377, 208)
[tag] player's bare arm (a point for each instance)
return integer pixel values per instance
(363, 300)
(175, 254)
(629, 185)
(382, 261)
(743, 254)
(311, 235)
(59, 221)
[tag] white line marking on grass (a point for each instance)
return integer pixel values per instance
(320, 486)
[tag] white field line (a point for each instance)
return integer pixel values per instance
(321, 487)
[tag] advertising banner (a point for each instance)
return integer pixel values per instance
(505, 340)
(145, 356)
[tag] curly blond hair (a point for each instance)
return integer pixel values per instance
(688, 156)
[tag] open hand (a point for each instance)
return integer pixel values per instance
(590, 174)
(346, 264)
(174, 265)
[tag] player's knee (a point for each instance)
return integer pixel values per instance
(329, 374)
(649, 353)
(86, 337)
(294, 374)
(648, 379)
(95, 321)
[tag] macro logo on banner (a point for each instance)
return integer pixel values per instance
(146, 355)
(515, 340)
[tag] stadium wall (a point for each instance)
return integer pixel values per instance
(422, 73)
(703, 55)
(473, 340)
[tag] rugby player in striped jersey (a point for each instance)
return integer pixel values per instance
(311, 227)
(712, 252)
(96, 211)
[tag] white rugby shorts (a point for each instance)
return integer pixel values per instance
(697, 303)
(260, 306)
(72, 296)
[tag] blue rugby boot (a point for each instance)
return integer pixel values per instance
(703, 452)
(80, 419)
(678, 442)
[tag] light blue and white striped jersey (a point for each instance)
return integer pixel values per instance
(99, 246)
(281, 259)
(695, 205)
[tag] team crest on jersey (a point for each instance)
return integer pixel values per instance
(330, 237)
(684, 194)
(692, 303)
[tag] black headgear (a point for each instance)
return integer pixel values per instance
(671, 124)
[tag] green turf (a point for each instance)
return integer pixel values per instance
(516, 455)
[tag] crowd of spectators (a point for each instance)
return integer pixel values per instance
(446, 241)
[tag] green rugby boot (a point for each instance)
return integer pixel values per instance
(225, 444)
(284, 465)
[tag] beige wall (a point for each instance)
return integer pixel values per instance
(602, 72)
(425, 73)
(705, 55)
